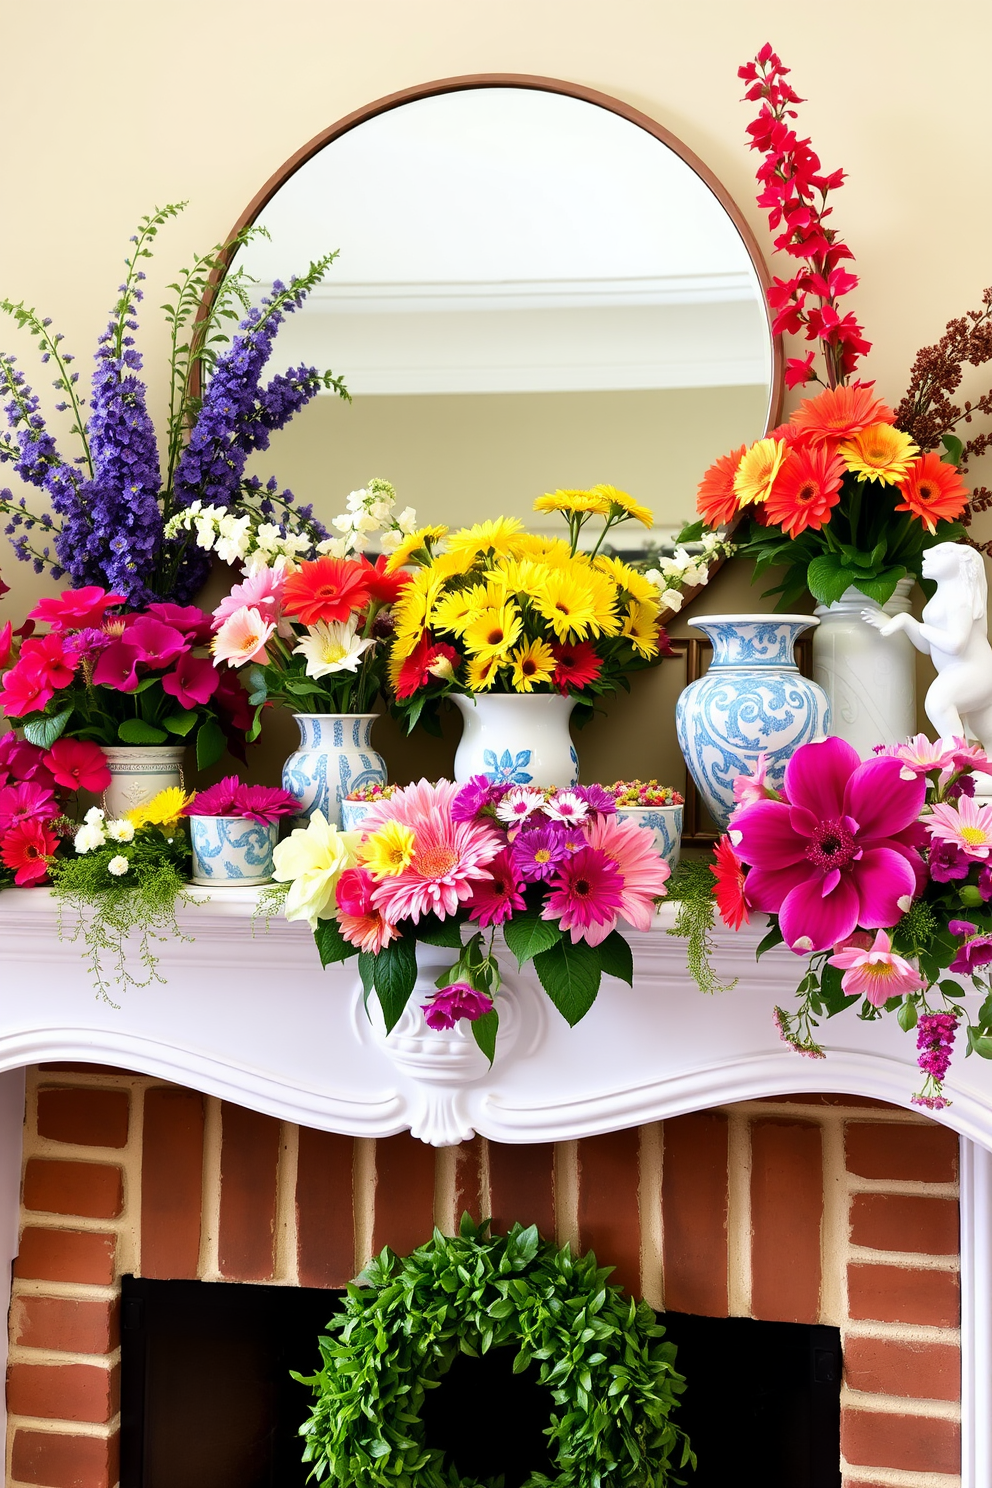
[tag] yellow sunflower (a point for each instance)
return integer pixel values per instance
(574, 501)
(756, 473)
(567, 601)
(627, 504)
(532, 664)
(879, 453)
(480, 673)
(486, 537)
(493, 632)
(625, 577)
(163, 810)
(640, 626)
(389, 850)
(456, 610)
(424, 537)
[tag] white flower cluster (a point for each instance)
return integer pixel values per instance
(94, 833)
(369, 513)
(234, 539)
(684, 570)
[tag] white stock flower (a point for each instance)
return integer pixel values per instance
(333, 547)
(88, 838)
(407, 521)
(357, 542)
(671, 599)
(380, 510)
(390, 541)
(366, 522)
(235, 539)
(120, 831)
(332, 647)
(118, 866)
(357, 500)
(268, 537)
(205, 533)
(345, 522)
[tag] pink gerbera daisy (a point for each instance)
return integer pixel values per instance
(449, 857)
(966, 823)
(876, 972)
(586, 896)
(643, 872)
(498, 897)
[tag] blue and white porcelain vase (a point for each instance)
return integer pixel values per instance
(335, 756)
(753, 700)
(516, 739)
(665, 825)
(231, 850)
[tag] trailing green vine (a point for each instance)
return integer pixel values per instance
(691, 889)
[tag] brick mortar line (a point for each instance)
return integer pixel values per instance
(906, 1187)
(44, 1219)
(23, 1353)
(906, 1260)
(51, 1148)
(565, 1188)
(868, 1403)
(897, 1477)
(67, 1291)
(650, 1213)
(100, 1430)
(921, 1333)
(881, 1116)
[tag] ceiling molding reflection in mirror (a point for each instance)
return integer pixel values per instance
(529, 294)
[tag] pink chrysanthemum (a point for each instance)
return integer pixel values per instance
(643, 872)
(587, 892)
(449, 859)
(966, 823)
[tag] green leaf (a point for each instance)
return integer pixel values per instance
(616, 958)
(180, 722)
(395, 975)
(773, 938)
(831, 992)
(366, 970)
(435, 932)
(953, 449)
(692, 532)
(137, 731)
(881, 587)
(484, 1031)
(257, 681)
(331, 943)
(983, 1046)
(44, 731)
(827, 578)
(526, 935)
(907, 1015)
(210, 744)
(570, 974)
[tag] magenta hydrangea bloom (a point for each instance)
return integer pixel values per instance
(451, 1003)
(837, 852)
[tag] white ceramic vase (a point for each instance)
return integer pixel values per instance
(516, 739)
(665, 825)
(869, 679)
(335, 756)
(138, 772)
(231, 850)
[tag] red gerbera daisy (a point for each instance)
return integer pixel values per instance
(716, 501)
(430, 661)
(576, 665)
(728, 891)
(326, 589)
(382, 586)
(805, 490)
(25, 848)
(933, 491)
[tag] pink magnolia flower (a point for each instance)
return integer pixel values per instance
(450, 857)
(194, 681)
(261, 591)
(966, 823)
(643, 873)
(587, 892)
(876, 973)
(837, 852)
(76, 764)
(751, 788)
(242, 638)
(25, 847)
(359, 921)
(76, 609)
(448, 1004)
(499, 897)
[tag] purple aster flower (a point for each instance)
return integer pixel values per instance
(446, 1006)
(947, 861)
(473, 796)
(596, 798)
(537, 853)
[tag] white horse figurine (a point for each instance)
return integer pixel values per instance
(954, 634)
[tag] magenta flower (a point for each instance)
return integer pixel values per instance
(118, 666)
(837, 852)
(946, 861)
(451, 1003)
(22, 761)
(26, 688)
(976, 951)
(935, 1040)
(567, 806)
(194, 623)
(217, 800)
(194, 681)
(921, 757)
(473, 796)
(264, 804)
(537, 853)
(76, 609)
(587, 896)
(25, 802)
(876, 973)
(597, 799)
(159, 644)
(76, 764)
(498, 898)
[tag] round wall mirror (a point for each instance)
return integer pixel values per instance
(536, 287)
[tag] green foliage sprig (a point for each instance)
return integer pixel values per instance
(602, 1356)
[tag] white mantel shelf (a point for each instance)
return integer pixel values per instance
(253, 1018)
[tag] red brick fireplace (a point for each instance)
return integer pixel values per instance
(820, 1208)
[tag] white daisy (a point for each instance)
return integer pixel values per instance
(332, 647)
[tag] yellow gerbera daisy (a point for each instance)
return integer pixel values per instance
(880, 453)
(400, 648)
(626, 503)
(625, 577)
(756, 473)
(456, 610)
(424, 537)
(480, 673)
(163, 810)
(532, 665)
(566, 600)
(493, 632)
(486, 537)
(518, 575)
(389, 850)
(573, 501)
(640, 626)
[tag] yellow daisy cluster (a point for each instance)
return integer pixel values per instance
(163, 810)
(503, 599)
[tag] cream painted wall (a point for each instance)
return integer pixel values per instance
(113, 107)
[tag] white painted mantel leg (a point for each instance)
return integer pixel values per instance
(976, 1315)
(11, 1142)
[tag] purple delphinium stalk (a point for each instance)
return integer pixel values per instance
(36, 460)
(935, 1041)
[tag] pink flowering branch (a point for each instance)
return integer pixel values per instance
(794, 194)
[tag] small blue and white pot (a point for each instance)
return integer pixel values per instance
(353, 813)
(231, 850)
(334, 758)
(516, 739)
(665, 825)
(753, 700)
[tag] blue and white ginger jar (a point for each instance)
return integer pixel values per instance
(753, 700)
(231, 850)
(335, 757)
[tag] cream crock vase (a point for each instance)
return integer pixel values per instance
(516, 739)
(138, 772)
(870, 679)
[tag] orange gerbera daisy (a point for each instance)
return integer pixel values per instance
(757, 470)
(716, 502)
(933, 491)
(806, 488)
(326, 589)
(879, 453)
(839, 412)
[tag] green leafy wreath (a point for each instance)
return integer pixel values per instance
(404, 1321)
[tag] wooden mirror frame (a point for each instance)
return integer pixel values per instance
(538, 84)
